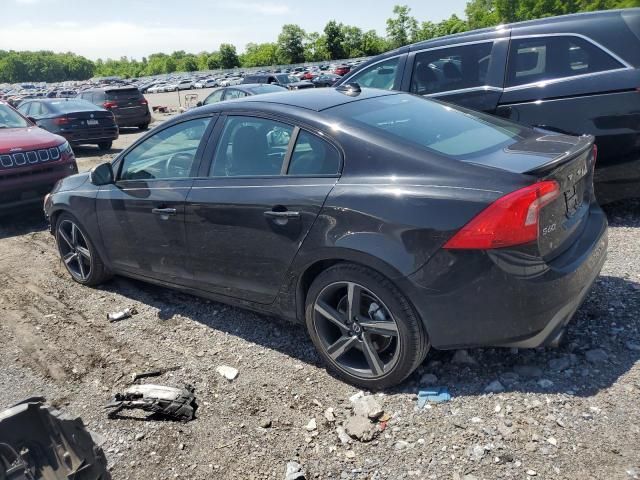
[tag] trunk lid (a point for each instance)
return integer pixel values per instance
(88, 119)
(129, 102)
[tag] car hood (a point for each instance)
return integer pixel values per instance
(71, 183)
(31, 138)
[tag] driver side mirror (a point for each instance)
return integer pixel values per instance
(32, 120)
(199, 104)
(102, 175)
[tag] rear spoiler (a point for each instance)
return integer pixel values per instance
(584, 143)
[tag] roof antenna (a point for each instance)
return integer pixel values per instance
(350, 88)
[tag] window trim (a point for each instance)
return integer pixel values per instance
(544, 83)
(118, 162)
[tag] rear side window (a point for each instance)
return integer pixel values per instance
(313, 156)
(381, 75)
(214, 97)
(233, 93)
(452, 68)
(534, 60)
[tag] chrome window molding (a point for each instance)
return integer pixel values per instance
(544, 83)
(481, 88)
(463, 44)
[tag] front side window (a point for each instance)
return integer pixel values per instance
(234, 93)
(169, 153)
(313, 156)
(251, 146)
(215, 97)
(24, 108)
(454, 68)
(533, 60)
(381, 75)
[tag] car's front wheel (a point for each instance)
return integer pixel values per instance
(364, 328)
(78, 253)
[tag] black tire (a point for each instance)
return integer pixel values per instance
(410, 338)
(143, 127)
(105, 145)
(98, 273)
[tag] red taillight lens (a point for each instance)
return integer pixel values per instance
(61, 121)
(144, 102)
(109, 105)
(510, 220)
(595, 154)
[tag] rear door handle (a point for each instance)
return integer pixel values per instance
(286, 214)
(164, 211)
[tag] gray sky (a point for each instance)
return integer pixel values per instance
(135, 28)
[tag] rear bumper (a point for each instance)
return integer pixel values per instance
(504, 297)
(29, 188)
(91, 135)
(133, 120)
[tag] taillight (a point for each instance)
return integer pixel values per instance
(144, 102)
(510, 220)
(61, 121)
(595, 154)
(109, 105)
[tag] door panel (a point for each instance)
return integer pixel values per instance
(238, 247)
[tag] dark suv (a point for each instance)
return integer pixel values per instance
(127, 104)
(572, 74)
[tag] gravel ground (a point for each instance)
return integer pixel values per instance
(567, 413)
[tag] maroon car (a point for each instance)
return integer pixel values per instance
(32, 160)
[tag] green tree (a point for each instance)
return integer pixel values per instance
(260, 54)
(291, 44)
(402, 28)
(352, 43)
(334, 36)
(372, 43)
(228, 56)
(315, 48)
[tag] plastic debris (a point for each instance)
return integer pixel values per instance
(121, 315)
(434, 395)
(169, 402)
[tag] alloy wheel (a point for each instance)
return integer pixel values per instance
(356, 330)
(74, 250)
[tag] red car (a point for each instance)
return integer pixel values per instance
(32, 160)
(342, 70)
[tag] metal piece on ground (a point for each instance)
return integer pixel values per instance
(126, 313)
(170, 402)
(434, 395)
(38, 441)
(151, 373)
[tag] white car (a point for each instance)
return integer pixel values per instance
(184, 85)
(170, 87)
(207, 83)
(157, 88)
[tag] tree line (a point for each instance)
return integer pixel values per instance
(294, 45)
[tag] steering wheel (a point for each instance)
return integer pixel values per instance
(179, 165)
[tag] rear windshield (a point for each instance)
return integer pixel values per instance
(442, 128)
(72, 106)
(285, 79)
(9, 118)
(266, 89)
(123, 94)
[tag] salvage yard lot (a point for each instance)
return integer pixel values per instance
(572, 412)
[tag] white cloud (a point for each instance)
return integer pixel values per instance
(103, 39)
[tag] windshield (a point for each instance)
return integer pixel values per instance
(284, 79)
(73, 106)
(444, 129)
(9, 118)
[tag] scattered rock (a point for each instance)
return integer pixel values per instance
(401, 445)
(367, 406)
(343, 436)
(227, 372)
(350, 454)
(463, 357)
(428, 379)
(552, 441)
(597, 355)
(312, 425)
(139, 436)
(476, 452)
(265, 423)
(329, 415)
(360, 428)
(545, 383)
(294, 471)
(559, 364)
(181, 446)
(532, 473)
(634, 347)
(528, 371)
(494, 387)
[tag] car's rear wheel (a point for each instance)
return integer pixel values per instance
(364, 327)
(143, 127)
(78, 253)
(105, 145)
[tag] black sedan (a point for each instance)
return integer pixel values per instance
(240, 91)
(326, 80)
(79, 121)
(385, 222)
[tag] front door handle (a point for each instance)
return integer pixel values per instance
(286, 214)
(164, 211)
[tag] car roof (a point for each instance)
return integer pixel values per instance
(310, 99)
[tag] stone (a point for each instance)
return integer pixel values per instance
(342, 435)
(552, 441)
(139, 436)
(294, 471)
(227, 372)
(367, 406)
(350, 454)
(559, 364)
(476, 452)
(360, 428)
(463, 357)
(312, 425)
(545, 383)
(265, 423)
(528, 371)
(634, 347)
(428, 379)
(597, 355)
(532, 473)
(401, 445)
(329, 415)
(494, 387)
